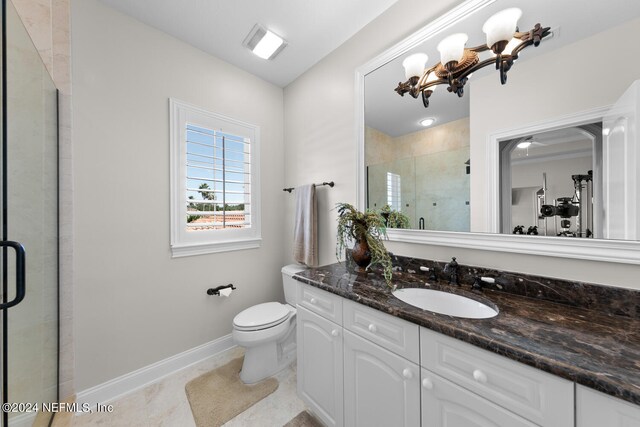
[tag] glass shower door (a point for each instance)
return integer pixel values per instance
(29, 161)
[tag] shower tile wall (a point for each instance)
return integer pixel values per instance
(47, 22)
(431, 163)
(442, 190)
(31, 201)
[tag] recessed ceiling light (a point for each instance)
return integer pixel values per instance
(264, 43)
(525, 144)
(427, 122)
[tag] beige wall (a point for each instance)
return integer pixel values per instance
(382, 148)
(135, 305)
(319, 110)
(320, 139)
(47, 22)
(379, 147)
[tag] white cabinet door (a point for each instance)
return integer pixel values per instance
(320, 366)
(380, 387)
(445, 404)
(595, 409)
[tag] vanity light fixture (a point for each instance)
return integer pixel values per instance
(457, 62)
(427, 122)
(264, 43)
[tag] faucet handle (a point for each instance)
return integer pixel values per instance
(478, 282)
(433, 275)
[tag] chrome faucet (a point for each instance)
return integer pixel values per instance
(452, 269)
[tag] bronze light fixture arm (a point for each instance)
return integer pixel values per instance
(457, 74)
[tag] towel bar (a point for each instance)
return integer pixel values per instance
(330, 184)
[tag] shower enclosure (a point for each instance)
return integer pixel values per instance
(29, 227)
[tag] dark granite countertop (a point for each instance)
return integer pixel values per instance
(592, 348)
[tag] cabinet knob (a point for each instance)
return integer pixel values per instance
(372, 328)
(407, 373)
(312, 300)
(335, 333)
(427, 383)
(479, 376)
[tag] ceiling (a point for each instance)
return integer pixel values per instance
(312, 28)
(565, 143)
(387, 112)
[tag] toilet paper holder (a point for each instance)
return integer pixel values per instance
(216, 291)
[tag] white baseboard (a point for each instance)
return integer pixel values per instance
(111, 390)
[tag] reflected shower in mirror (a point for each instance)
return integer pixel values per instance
(425, 175)
(542, 153)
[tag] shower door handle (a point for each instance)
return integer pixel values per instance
(20, 273)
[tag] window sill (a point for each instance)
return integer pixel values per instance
(192, 249)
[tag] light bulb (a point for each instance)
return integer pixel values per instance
(431, 78)
(525, 144)
(414, 65)
(427, 122)
(452, 48)
(501, 26)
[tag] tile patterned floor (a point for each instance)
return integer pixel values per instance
(165, 403)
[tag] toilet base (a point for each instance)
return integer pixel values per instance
(267, 351)
(264, 361)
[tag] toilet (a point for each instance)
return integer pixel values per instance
(267, 331)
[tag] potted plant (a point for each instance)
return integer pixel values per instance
(394, 218)
(366, 229)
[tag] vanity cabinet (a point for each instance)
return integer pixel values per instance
(445, 404)
(358, 366)
(595, 409)
(320, 361)
(542, 398)
(380, 387)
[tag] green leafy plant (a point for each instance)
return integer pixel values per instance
(368, 226)
(394, 218)
(191, 218)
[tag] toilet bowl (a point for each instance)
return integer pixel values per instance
(267, 331)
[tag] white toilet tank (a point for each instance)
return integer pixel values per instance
(289, 283)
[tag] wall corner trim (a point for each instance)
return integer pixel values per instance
(127, 383)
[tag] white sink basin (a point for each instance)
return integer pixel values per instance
(445, 303)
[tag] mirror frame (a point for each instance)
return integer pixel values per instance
(620, 251)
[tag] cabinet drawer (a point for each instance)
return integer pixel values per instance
(392, 333)
(321, 302)
(445, 404)
(540, 397)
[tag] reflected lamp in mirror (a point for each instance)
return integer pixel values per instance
(457, 62)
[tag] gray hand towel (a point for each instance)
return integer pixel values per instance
(305, 232)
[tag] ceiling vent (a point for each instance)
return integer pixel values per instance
(264, 43)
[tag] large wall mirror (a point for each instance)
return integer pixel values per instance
(547, 160)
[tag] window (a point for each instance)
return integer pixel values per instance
(393, 191)
(214, 180)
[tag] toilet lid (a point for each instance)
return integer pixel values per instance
(261, 316)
